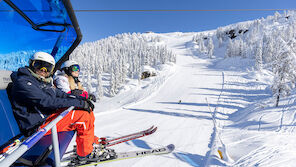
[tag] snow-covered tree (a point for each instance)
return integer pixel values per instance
(284, 71)
(112, 89)
(220, 42)
(210, 48)
(89, 81)
(268, 48)
(99, 87)
(127, 51)
(241, 48)
(277, 15)
(201, 44)
(229, 49)
(258, 57)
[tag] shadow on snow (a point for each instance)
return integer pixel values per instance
(175, 114)
(191, 159)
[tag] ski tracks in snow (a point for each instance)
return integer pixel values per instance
(256, 138)
(179, 110)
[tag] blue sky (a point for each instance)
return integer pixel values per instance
(98, 25)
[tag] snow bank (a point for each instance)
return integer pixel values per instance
(137, 90)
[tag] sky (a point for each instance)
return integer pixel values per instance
(98, 25)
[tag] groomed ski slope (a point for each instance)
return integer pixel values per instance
(188, 125)
(181, 101)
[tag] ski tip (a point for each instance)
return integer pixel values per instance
(154, 130)
(150, 131)
(153, 127)
(171, 147)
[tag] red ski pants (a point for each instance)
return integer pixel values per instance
(80, 121)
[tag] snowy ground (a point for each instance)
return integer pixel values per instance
(181, 124)
(184, 99)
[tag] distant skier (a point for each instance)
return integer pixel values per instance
(36, 102)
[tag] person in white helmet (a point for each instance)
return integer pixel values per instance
(42, 64)
(36, 102)
(67, 80)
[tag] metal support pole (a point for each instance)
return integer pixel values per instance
(55, 143)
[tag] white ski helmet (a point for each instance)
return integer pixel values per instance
(69, 63)
(43, 56)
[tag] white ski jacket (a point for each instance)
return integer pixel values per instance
(61, 81)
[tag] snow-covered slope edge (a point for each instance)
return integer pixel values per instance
(136, 90)
(250, 130)
(254, 132)
(262, 135)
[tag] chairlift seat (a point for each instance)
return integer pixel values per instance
(41, 153)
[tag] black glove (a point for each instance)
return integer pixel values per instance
(76, 92)
(92, 97)
(88, 106)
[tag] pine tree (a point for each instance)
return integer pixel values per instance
(201, 44)
(129, 51)
(229, 49)
(258, 57)
(117, 75)
(268, 48)
(210, 48)
(112, 88)
(277, 15)
(284, 71)
(242, 49)
(89, 86)
(99, 89)
(220, 42)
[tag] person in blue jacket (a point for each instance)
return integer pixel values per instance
(36, 102)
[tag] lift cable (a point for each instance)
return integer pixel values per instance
(162, 10)
(182, 10)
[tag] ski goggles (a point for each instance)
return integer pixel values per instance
(75, 68)
(43, 66)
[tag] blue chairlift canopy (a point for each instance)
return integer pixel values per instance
(28, 26)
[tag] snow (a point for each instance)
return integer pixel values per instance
(248, 127)
(202, 105)
(173, 120)
(215, 105)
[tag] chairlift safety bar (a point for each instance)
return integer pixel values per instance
(32, 140)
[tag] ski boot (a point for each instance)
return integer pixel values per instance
(99, 153)
(102, 150)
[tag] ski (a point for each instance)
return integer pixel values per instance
(129, 137)
(128, 155)
(124, 138)
(10, 149)
(132, 134)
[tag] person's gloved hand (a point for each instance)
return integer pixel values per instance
(92, 97)
(88, 106)
(76, 92)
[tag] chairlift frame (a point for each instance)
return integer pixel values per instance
(32, 140)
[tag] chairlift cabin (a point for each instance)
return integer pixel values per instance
(28, 26)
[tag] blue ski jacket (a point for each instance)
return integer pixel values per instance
(34, 100)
